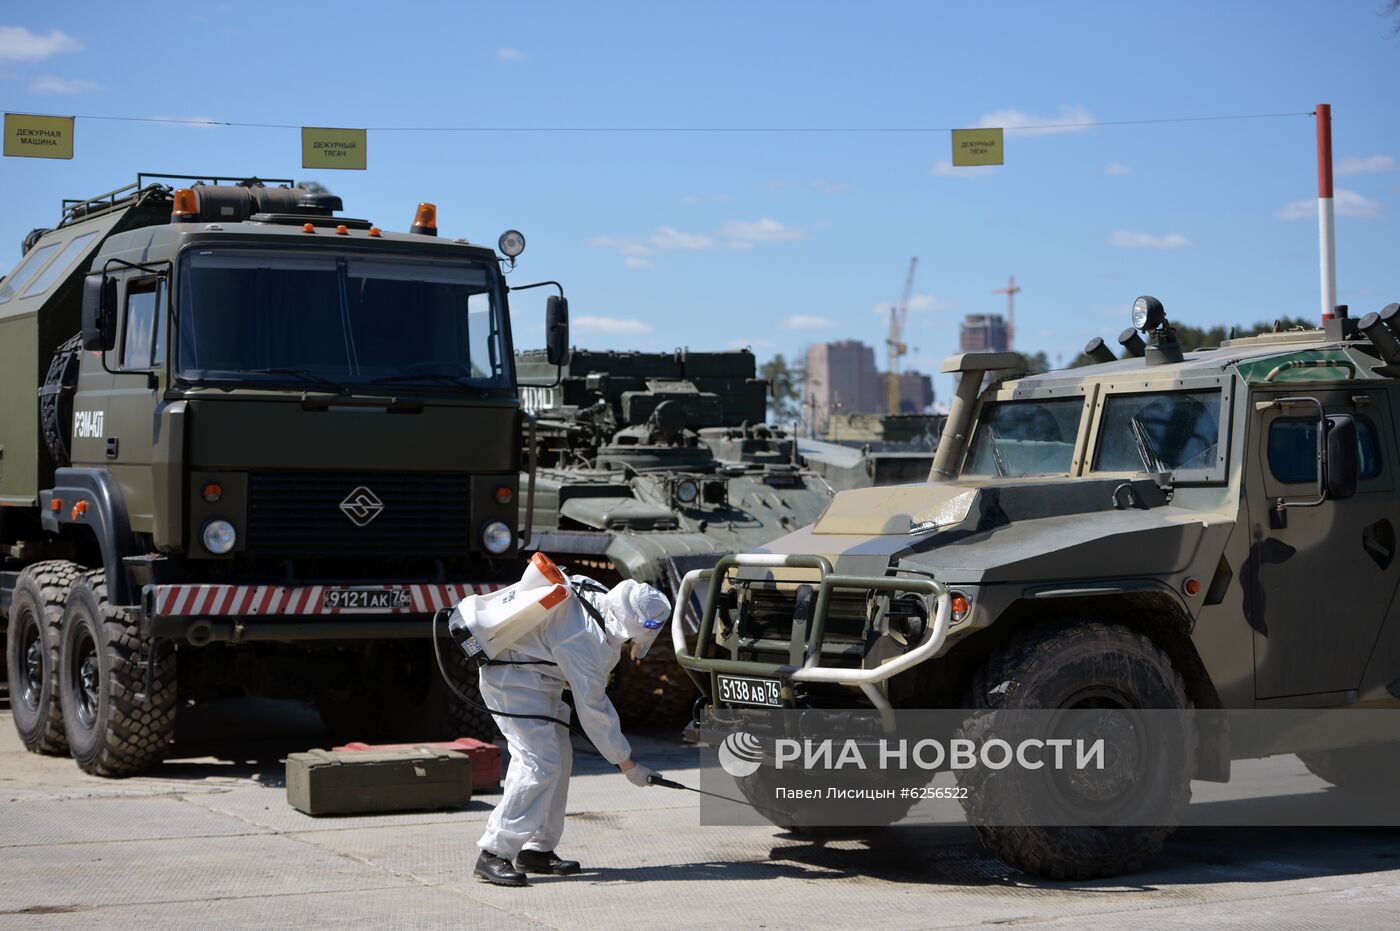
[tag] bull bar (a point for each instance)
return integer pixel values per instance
(811, 669)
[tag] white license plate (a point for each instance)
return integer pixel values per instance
(749, 690)
(366, 599)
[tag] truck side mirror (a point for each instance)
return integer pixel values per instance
(556, 330)
(1341, 468)
(99, 312)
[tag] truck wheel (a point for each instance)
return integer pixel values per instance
(101, 670)
(1356, 769)
(449, 716)
(31, 654)
(1034, 819)
(653, 689)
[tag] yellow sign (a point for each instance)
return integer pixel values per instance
(30, 136)
(977, 147)
(332, 148)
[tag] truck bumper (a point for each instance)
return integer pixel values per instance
(809, 668)
(204, 613)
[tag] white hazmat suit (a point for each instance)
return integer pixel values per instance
(522, 681)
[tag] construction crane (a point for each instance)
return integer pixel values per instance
(895, 347)
(1011, 290)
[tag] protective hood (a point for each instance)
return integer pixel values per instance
(634, 611)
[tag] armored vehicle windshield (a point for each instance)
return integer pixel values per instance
(345, 319)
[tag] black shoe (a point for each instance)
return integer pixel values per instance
(546, 861)
(498, 871)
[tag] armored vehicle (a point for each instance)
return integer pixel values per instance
(860, 450)
(1166, 530)
(268, 443)
(653, 464)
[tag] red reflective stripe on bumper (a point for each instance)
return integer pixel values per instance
(271, 600)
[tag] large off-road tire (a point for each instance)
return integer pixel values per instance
(31, 654)
(653, 689)
(446, 713)
(1098, 668)
(1356, 769)
(101, 671)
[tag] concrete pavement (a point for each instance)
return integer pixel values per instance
(209, 841)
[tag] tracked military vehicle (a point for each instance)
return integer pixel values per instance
(1176, 530)
(246, 445)
(653, 464)
(861, 450)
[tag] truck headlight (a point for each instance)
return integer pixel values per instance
(687, 491)
(497, 537)
(218, 537)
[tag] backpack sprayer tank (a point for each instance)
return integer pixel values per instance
(486, 625)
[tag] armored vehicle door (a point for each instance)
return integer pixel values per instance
(116, 411)
(1319, 580)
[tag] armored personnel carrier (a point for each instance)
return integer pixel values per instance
(654, 464)
(861, 450)
(268, 443)
(1181, 531)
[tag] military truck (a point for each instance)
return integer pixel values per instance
(654, 464)
(1174, 530)
(268, 443)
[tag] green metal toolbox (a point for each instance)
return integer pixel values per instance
(327, 782)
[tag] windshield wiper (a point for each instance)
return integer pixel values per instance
(335, 386)
(442, 378)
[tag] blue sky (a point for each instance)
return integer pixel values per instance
(775, 240)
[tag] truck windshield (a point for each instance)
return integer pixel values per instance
(1025, 438)
(1159, 432)
(338, 320)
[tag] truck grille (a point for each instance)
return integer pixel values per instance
(771, 612)
(358, 513)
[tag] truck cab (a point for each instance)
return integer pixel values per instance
(272, 442)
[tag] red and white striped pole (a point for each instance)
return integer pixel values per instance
(1326, 221)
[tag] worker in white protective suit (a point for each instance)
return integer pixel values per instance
(573, 649)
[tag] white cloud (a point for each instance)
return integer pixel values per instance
(610, 325)
(918, 304)
(806, 322)
(49, 84)
(828, 186)
(665, 237)
(18, 44)
(510, 54)
(1126, 239)
(946, 169)
(1116, 169)
(1345, 203)
(743, 234)
(1356, 165)
(1073, 119)
(736, 234)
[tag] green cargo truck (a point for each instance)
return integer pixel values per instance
(268, 442)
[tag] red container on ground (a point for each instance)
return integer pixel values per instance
(485, 757)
